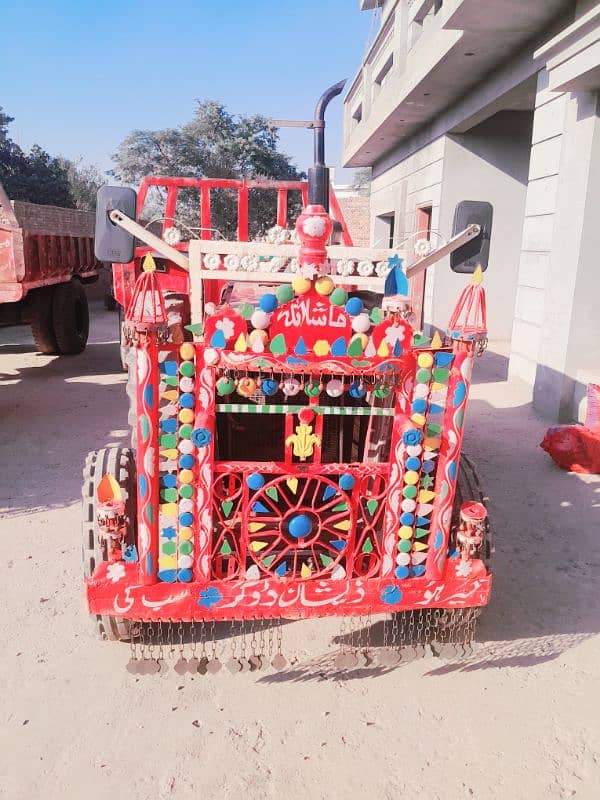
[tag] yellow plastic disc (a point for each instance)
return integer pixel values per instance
(187, 476)
(425, 360)
(405, 532)
(186, 415)
(258, 335)
(411, 477)
(418, 419)
(169, 509)
(324, 285)
(167, 562)
(186, 351)
(301, 285)
(186, 533)
(321, 347)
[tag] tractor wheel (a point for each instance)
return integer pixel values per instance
(118, 462)
(70, 318)
(41, 321)
(468, 487)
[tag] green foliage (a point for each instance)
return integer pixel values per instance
(40, 178)
(84, 182)
(214, 144)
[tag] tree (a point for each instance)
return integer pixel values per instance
(362, 180)
(35, 176)
(214, 144)
(84, 182)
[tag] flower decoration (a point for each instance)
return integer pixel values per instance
(314, 226)
(172, 236)
(276, 263)
(412, 437)
(115, 571)
(309, 270)
(294, 265)
(345, 267)
(274, 233)
(463, 569)
(422, 247)
(212, 261)
(382, 269)
(249, 263)
(201, 437)
(365, 268)
(209, 597)
(232, 261)
(395, 333)
(227, 326)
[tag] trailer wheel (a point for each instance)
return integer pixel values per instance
(42, 328)
(70, 318)
(117, 461)
(468, 487)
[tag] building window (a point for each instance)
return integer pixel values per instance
(383, 73)
(384, 230)
(357, 114)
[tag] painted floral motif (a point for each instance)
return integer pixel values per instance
(115, 571)
(463, 569)
(209, 597)
(391, 595)
(309, 271)
(172, 236)
(382, 269)
(395, 333)
(314, 226)
(249, 263)
(227, 326)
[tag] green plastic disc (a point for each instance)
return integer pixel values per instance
(185, 548)
(423, 376)
(410, 492)
(170, 495)
(187, 368)
(284, 293)
(338, 297)
(185, 432)
(168, 548)
(187, 491)
(404, 545)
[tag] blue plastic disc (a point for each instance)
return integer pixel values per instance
(186, 519)
(418, 570)
(356, 390)
(347, 482)
(169, 481)
(354, 306)
(186, 400)
(184, 575)
(429, 467)
(255, 481)
(413, 463)
(268, 303)
(419, 406)
(401, 572)
(407, 518)
(300, 526)
(186, 462)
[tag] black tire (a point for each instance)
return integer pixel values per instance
(70, 318)
(117, 461)
(42, 328)
(468, 487)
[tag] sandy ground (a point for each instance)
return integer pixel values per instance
(519, 719)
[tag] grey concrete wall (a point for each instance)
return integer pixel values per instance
(491, 163)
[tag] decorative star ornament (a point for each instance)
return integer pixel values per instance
(309, 271)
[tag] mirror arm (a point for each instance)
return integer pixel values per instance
(470, 232)
(125, 222)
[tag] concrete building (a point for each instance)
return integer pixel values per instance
(464, 100)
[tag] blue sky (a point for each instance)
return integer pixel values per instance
(78, 76)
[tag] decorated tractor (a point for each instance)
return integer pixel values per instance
(297, 450)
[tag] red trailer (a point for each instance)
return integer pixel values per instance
(46, 254)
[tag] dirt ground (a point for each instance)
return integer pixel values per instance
(518, 719)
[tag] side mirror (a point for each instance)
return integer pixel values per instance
(113, 243)
(476, 252)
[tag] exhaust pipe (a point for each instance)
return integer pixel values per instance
(318, 174)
